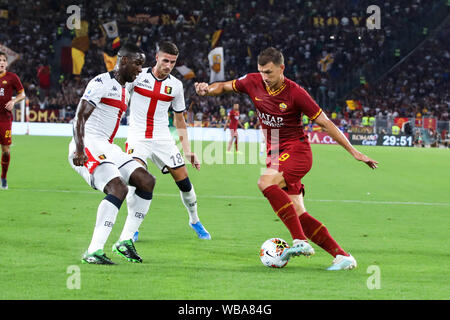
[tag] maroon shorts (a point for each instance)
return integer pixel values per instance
(294, 161)
(5, 133)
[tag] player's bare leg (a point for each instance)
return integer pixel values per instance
(318, 233)
(230, 143)
(189, 199)
(236, 141)
(6, 157)
(271, 183)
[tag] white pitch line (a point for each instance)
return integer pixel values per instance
(242, 197)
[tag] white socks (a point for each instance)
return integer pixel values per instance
(137, 210)
(107, 214)
(190, 202)
(106, 217)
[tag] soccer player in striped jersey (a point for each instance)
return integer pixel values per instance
(152, 93)
(9, 82)
(280, 104)
(103, 164)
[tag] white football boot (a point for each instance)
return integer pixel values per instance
(343, 263)
(299, 247)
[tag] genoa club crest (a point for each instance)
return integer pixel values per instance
(168, 90)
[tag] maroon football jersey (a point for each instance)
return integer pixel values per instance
(9, 83)
(280, 112)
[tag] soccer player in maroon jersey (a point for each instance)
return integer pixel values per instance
(280, 104)
(9, 82)
(233, 120)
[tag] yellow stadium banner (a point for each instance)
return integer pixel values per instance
(110, 62)
(350, 104)
(4, 14)
(84, 29)
(215, 38)
(81, 43)
(326, 62)
(353, 104)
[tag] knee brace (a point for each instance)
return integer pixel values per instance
(144, 194)
(184, 185)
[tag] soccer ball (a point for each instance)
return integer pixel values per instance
(270, 253)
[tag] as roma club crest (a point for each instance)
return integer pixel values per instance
(283, 106)
(168, 90)
(217, 62)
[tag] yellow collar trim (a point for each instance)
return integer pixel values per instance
(274, 93)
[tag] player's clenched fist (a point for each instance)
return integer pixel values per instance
(201, 88)
(79, 159)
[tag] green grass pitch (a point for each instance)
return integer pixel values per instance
(394, 220)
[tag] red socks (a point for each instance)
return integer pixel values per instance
(302, 227)
(319, 234)
(284, 208)
(5, 164)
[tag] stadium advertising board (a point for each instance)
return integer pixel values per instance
(364, 139)
(381, 140)
(321, 138)
(37, 115)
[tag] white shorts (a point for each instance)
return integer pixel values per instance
(106, 161)
(163, 153)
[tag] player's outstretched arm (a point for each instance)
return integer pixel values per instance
(213, 89)
(83, 113)
(334, 132)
